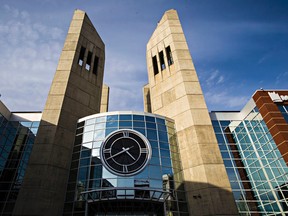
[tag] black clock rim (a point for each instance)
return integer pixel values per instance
(145, 140)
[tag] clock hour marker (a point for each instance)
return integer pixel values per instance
(125, 134)
(107, 150)
(143, 150)
(125, 169)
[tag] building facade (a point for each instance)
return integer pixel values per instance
(253, 144)
(103, 184)
(167, 160)
(17, 136)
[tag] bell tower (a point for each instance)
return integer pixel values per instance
(174, 91)
(75, 92)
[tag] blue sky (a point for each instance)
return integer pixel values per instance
(237, 46)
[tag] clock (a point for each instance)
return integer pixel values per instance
(125, 152)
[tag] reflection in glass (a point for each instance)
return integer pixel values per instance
(88, 137)
(112, 118)
(125, 124)
(99, 134)
(138, 124)
(155, 181)
(125, 117)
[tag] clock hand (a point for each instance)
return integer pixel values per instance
(124, 150)
(117, 154)
(129, 153)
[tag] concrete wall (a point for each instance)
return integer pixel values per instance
(105, 98)
(74, 93)
(4, 110)
(146, 99)
(175, 92)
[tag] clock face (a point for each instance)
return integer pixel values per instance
(125, 152)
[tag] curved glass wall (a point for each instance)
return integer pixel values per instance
(157, 189)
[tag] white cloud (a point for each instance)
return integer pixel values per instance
(221, 93)
(126, 79)
(29, 51)
(212, 77)
(226, 100)
(282, 77)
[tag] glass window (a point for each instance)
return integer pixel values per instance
(36, 124)
(97, 144)
(138, 118)
(155, 172)
(90, 121)
(162, 127)
(166, 162)
(138, 124)
(154, 144)
(87, 145)
(88, 137)
(95, 152)
(155, 160)
(150, 125)
(142, 131)
(101, 119)
(281, 108)
(160, 121)
(99, 134)
(164, 145)
(26, 124)
(125, 117)
(152, 134)
(81, 56)
(155, 152)
(34, 130)
(112, 118)
(100, 125)
(112, 124)
(89, 128)
(84, 162)
(125, 124)
(165, 153)
(109, 130)
(163, 136)
(149, 119)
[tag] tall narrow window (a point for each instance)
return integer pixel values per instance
(162, 63)
(169, 55)
(88, 62)
(95, 66)
(81, 56)
(155, 66)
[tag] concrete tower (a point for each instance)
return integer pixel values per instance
(74, 93)
(174, 91)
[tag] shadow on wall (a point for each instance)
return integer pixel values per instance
(207, 199)
(45, 180)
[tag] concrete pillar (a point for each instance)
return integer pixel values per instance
(105, 98)
(74, 93)
(175, 92)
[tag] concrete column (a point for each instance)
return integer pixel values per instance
(175, 92)
(105, 98)
(74, 93)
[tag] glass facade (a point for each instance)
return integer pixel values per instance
(16, 141)
(157, 188)
(284, 111)
(257, 172)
